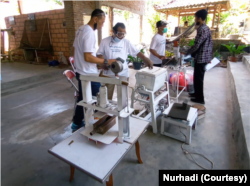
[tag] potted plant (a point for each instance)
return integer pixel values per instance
(234, 50)
(217, 55)
(137, 62)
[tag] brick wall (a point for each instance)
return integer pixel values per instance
(58, 32)
(74, 17)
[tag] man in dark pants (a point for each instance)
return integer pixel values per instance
(202, 53)
(86, 60)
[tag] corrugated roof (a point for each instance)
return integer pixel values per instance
(188, 4)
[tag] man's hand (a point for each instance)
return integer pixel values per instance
(110, 61)
(103, 66)
(148, 63)
(162, 57)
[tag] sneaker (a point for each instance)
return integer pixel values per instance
(198, 101)
(75, 127)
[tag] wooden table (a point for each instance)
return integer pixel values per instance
(98, 160)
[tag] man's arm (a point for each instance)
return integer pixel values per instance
(146, 60)
(92, 59)
(100, 56)
(199, 39)
(156, 54)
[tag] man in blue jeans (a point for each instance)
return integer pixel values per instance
(86, 60)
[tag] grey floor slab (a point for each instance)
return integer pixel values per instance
(36, 119)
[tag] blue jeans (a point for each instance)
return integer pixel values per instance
(79, 115)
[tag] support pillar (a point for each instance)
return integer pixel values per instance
(98, 5)
(111, 20)
(141, 21)
(70, 24)
(179, 19)
(218, 22)
(214, 17)
(166, 15)
(20, 6)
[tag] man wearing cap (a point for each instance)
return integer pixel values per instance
(158, 44)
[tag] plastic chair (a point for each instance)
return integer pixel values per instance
(71, 60)
(69, 74)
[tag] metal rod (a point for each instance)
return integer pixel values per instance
(42, 35)
(49, 32)
(36, 57)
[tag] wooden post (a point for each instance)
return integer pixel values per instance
(218, 22)
(179, 19)
(214, 17)
(111, 20)
(141, 20)
(166, 15)
(19, 6)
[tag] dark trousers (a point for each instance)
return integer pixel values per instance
(157, 65)
(79, 115)
(199, 72)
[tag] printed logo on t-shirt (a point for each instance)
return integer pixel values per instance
(163, 42)
(115, 48)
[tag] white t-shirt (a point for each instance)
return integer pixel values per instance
(158, 44)
(85, 42)
(112, 50)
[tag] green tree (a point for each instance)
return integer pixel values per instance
(153, 20)
(229, 21)
(190, 20)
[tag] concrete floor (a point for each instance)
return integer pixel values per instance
(9, 70)
(36, 119)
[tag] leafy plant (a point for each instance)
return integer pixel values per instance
(235, 50)
(135, 59)
(190, 20)
(217, 54)
(183, 42)
(191, 42)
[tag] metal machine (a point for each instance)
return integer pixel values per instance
(151, 90)
(117, 66)
(119, 108)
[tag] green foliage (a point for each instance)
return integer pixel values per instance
(190, 20)
(223, 17)
(153, 20)
(152, 16)
(217, 54)
(229, 21)
(135, 59)
(191, 42)
(235, 50)
(126, 15)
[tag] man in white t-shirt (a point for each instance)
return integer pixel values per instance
(86, 60)
(116, 46)
(158, 44)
